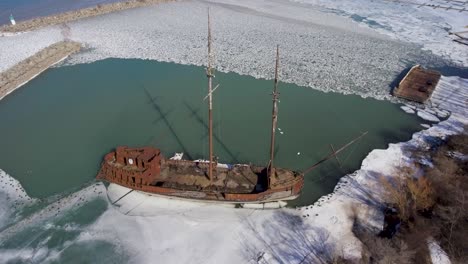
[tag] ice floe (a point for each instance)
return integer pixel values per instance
(407, 109)
(18, 47)
(322, 51)
(408, 21)
(427, 115)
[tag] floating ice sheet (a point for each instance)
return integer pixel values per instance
(407, 109)
(408, 22)
(339, 56)
(426, 115)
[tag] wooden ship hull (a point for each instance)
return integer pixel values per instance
(146, 170)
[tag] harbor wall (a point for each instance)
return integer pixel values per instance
(29, 68)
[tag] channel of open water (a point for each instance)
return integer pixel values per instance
(56, 129)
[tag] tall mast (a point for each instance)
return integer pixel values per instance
(274, 120)
(209, 74)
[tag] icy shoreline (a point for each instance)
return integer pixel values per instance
(178, 231)
(173, 231)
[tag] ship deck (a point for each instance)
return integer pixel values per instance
(189, 176)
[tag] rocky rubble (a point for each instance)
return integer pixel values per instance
(34, 65)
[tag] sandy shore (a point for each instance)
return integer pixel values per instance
(27, 69)
(35, 23)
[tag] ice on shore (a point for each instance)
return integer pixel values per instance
(407, 109)
(426, 115)
(437, 254)
(326, 58)
(148, 228)
(12, 199)
(171, 229)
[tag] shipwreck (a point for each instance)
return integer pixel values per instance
(145, 169)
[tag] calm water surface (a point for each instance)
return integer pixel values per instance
(56, 129)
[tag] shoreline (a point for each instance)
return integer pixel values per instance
(28, 69)
(101, 9)
(325, 224)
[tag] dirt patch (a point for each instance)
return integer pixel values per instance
(27, 69)
(35, 23)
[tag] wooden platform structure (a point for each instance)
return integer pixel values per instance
(418, 84)
(460, 37)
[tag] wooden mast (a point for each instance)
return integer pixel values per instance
(274, 120)
(209, 74)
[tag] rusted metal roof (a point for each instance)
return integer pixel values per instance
(418, 84)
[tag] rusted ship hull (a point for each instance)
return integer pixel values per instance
(145, 170)
(264, 197)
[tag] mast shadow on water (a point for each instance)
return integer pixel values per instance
(163, 117)
(199, 119)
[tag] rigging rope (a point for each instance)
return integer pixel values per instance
(351, 152)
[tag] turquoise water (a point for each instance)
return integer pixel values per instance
(56, 129)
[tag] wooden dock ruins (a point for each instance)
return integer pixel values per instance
(460, 37)
(417, 85)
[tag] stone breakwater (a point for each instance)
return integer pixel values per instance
(27, 69)
(35, 23)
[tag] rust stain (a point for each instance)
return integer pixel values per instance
(145, 169)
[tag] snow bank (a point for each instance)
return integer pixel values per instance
(438, 255)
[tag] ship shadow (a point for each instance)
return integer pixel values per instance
(163, 117)
(362, 194)
(287, 238)
(195, 114)
(394, 136)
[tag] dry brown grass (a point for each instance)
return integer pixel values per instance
(433, 205)
(409, 195)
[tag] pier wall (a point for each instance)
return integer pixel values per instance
(29, 68)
